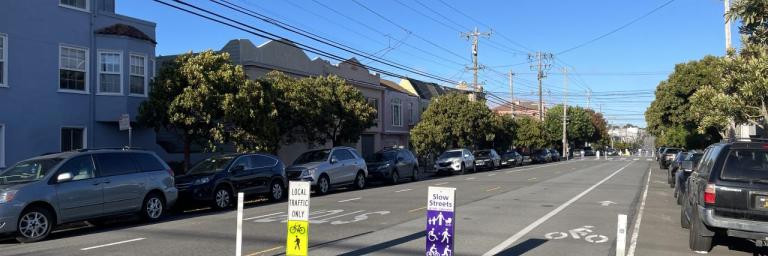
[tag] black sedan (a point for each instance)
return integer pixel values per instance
(392, 164)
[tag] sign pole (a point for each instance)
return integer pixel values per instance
(130, 136)
(621, 235)
(239, 235)
(297, 237)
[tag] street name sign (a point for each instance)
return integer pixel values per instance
(441, 221)
(297, 239)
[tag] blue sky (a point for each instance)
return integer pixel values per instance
(633, 59)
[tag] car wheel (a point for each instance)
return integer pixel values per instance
(696, 241)
(670, 179)
(323, 185)
(34, 225)
(679, 196)
(154, 207)
(222, 198)
(461, 171)
(415, 176)
(394, 177)
(276, 191)
(360, 180)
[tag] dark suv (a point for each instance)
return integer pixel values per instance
(728, 195)
(392, 164)
(667, 156)
(217, 179)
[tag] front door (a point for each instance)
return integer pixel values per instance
(263, 168)
(82, 196)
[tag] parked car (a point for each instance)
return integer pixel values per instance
(40, 193)
(611, 152)
(328, 168)
(674, 166)
(487, 159)
(588, 151)
(690, 164)
(658, 152)
(218, 179)
(455, 161)
(392, 165)
(555, 155)
(728, 195)
(666, 157)
(540, 156)
(511, 159)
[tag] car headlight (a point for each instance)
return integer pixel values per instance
(382, 167)
(309, 172)
(7, 196)
(456, 161)
(201, 181)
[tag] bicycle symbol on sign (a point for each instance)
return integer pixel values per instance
(297, 228)
(579, 233)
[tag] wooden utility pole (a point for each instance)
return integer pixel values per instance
(727, 4)
(565, 112)
(540, 64)
(474, 36)
(511, 94)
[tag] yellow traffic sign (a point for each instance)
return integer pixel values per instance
(297, 241)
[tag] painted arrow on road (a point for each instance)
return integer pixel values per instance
(606, 203)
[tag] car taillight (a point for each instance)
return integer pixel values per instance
(709, 194)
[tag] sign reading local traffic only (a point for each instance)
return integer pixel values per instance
(441, 221)
(297, 240)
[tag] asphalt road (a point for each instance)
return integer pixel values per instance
(563, 208)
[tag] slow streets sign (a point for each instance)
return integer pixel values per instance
(297, 240)
(441, 221)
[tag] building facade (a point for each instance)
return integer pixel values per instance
(68, 70)
(521, 108)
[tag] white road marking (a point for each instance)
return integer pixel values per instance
(348, 200)
(636, 229)
(511, 240)
(491, 174)
(337, 216)
(403, 190)
(111, 244)
(470, 178)
(262, 216)
(532, 179)
(441, 183)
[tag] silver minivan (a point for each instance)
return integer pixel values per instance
(326, 168)
(40, 193)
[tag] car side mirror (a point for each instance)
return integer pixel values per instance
(334, 160)
(63, 177)
(238, 168)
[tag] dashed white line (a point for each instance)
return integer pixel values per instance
(348, 200)
(262, 216)
(470, 178)
(441, 183)
(111, 244)
(511, 240)
(403, 190)
(636, 229)
(491, 174)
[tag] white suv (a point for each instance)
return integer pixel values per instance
(455, 161)
(325, 168)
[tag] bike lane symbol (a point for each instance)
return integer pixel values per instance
(584, 232)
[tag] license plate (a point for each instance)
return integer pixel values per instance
(761, 202)
(480, 163)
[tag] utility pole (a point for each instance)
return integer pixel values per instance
(540, 64)
(727, 4)
(475, 37)
(589, 97)
(511, 94)
(565, 112)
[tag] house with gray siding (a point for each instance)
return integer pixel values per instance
(68, 70)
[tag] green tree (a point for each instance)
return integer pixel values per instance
(453, 121)
(530, 133)
(319, 109)
(251, 117)
(600, 137)
(504, 133)
(186, 97)
(579, 129)
(754, 19)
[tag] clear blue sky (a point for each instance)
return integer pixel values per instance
(635, 58)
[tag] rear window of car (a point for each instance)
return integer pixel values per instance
(148, 162)
(746, 164)
(672, 151)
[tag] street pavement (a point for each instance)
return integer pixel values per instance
(562, 208)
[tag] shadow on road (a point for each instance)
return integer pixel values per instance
(523, 247)
(385, 245)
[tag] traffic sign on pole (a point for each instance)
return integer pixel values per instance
(441, 221)
(297, 239)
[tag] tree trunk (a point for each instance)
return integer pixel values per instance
(764, 113)
(187, 145)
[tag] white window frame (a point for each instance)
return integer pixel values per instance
(4, 81)
(87, 6)
(87, 89)
(85, 134)
(99, 72)
(2, 145)
(146, 75)
(397, 120)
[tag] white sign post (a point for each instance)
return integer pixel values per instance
(297, 238)
(125, 124)
(239, 234)
(441, 220)
(621, 235)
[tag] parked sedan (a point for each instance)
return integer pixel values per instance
(327, 168)
(218, 179)
(555, 155)
(393, 164)
(674, 166)
(487, 159)
(540, 156)
(455, 161)
(689, 165)
(511, 159)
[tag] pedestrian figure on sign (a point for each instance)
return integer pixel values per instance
(440, 219)
(446, 236)
(446, 252)
(431, 235)
(298, 243)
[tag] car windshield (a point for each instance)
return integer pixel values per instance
(482, 153)
(746, 164)
(313, 156)
(381, 156)
(695, 158)
(211, 165)
(672, 151)
(587, 148)
(450, 154)
(28, 171)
